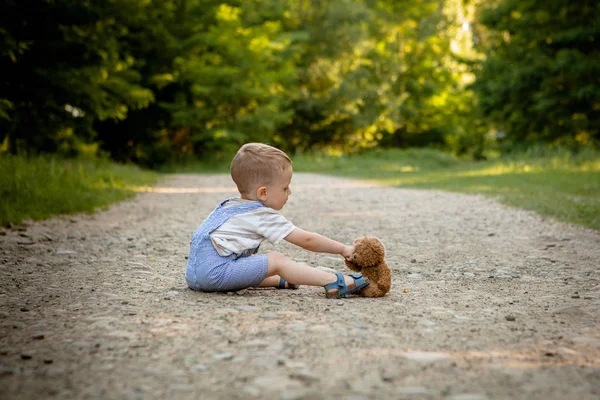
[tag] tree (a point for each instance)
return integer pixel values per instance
(64, 68)
(540, 81)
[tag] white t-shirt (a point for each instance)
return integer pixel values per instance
(243, 233)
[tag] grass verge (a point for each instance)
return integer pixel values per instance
(558, 184)
(39, 187)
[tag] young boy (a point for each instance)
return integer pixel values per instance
(222, 249)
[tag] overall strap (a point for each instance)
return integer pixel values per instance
(221, 214)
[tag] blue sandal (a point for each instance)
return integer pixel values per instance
(282, 283)
(342, 289)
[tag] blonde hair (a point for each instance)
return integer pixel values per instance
(257, 164)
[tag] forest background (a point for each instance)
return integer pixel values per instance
(347, 86)
(163, 81)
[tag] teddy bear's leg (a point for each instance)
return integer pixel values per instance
(372, 290)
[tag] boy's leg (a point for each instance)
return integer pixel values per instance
(300, 274)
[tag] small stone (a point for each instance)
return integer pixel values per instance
(469, 396)
(223, 356)
(26, 356)
(575, 296)
(411, 390)
(48, 361)
(438, 270)
(269, 316)
(251, 391)
(200, 368)
(6, 370)
(425, 356)
(414, 260)
(510, 318)
(248, 308)
(38, 336)
(64, 252)
(24, 309)
(568, 310)
(340, 303)
(304, 376)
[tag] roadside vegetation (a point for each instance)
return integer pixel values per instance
(39, 187)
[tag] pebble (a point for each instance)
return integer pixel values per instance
(567, 310)
(411, 390)
(200, 368)
(510, 318)
(305, 376)
(6, 370)
(65, 252)
(223, 356)
(424, 356)
(295, 364)
(226, 311)
(320, 328)
(269, 316)
(251, 391)
(468, 396)
(248, 308)
(38, 336)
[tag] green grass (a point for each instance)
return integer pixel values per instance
(552, 183)
(39, 187)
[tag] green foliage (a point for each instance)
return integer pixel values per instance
(39, 187)
(539, 81)
(171, 81)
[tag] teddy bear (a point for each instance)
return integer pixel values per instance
(369, 260)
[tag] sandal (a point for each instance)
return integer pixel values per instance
(283, 282)
(340, 284)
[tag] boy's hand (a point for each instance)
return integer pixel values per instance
(348, 252)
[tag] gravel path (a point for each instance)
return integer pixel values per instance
(487, 302)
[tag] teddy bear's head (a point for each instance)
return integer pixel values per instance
(368, 252)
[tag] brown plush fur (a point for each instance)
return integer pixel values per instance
(369, 260)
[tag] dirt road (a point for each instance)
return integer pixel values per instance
(487, 302)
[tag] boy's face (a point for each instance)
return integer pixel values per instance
(276, 194)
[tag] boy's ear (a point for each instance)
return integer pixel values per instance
(261, 193)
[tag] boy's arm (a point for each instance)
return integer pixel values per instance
(318, 243)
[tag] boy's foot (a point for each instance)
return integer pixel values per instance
(344, 285)
(283, 284)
